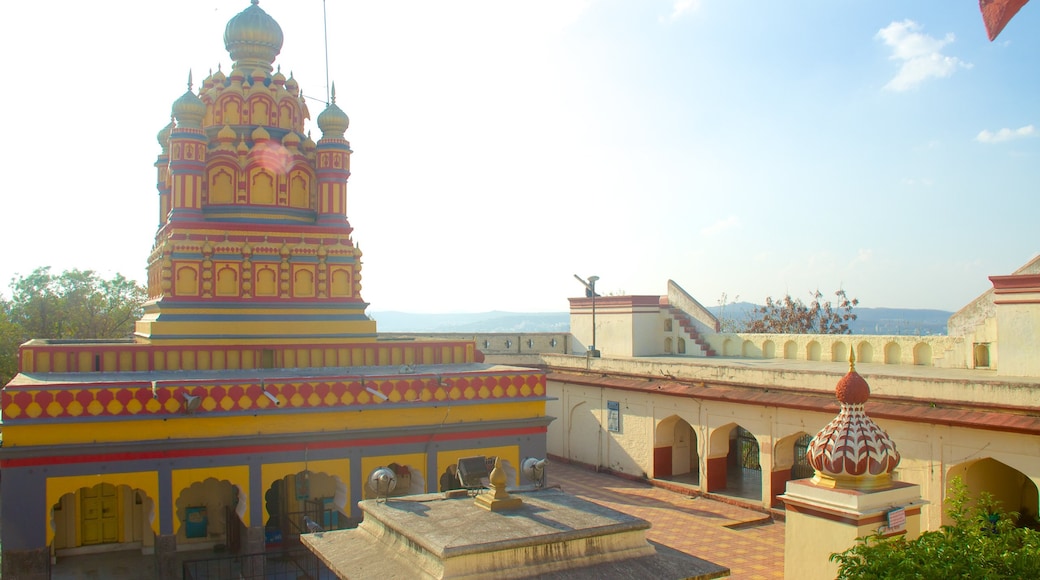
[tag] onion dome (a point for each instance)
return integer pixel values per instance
(226, 139)
(291, 85)
(291, 140)
(189, 109)
(164, 136)
(333, 122)
(253, 38)
(237, 77)
(278, 80)
(258, 77)
(852, 452)
(219, 78)
(260, 134)
(309, 144)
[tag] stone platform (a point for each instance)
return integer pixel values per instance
(552, 535)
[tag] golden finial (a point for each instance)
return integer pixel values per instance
(189, 80)
(333, 92)
(852, 360)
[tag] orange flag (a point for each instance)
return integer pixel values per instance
(997, 13)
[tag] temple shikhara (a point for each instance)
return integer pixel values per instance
(254, 390)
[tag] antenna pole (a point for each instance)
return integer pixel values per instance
(325, 21)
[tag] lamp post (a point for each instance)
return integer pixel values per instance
(590, 291)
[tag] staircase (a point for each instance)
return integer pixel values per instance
(689, 329)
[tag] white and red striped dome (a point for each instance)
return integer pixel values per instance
(852, 451)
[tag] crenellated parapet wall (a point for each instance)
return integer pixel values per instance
(929, 351)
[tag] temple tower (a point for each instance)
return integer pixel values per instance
(253, 245)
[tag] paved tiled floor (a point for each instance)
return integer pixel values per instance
(697, 526)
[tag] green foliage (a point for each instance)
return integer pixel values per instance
(983, 543)
(77, 304)
(792, 316)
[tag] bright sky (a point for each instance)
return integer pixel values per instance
(742, 147)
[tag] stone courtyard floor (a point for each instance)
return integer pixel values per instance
(748, 542)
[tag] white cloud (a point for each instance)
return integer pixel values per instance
(720, 226)
(680, 7)
(863, 256)
(1005, 134)
(921, 55)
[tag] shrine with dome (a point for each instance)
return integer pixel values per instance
(255, 389)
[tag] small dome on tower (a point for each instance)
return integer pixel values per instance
(278, 79)
(218, 77)
(189, 109)
(852, 451)
(253, 38)
(333, 122)
(226, 133)
(164, 135)
(260, 134)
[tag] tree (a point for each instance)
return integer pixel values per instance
(78, 304)
(792, 316)
(10, 338)
(983, 542)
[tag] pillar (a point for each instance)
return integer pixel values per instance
(253, 550)
(822, 521)
(166, 562)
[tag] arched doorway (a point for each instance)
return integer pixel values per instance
(1015, 491)
(208, 515)
(675, 451)
(789, 463)
(317, 495)
(733, 466)
(105, 516)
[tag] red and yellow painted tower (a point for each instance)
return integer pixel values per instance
(253, 244)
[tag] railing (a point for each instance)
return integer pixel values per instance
(297, 564)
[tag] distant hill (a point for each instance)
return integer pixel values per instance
(494, 321)
(909, 321)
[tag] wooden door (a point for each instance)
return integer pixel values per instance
(99, 509)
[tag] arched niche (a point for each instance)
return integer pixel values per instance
(1013, 489)
(923, 354)
(768, 349)
(893, 354)
(839, 352)
(813, 350)
(676, 454)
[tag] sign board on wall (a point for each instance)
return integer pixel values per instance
(896, 519)
(613, 417)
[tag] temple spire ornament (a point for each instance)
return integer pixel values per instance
(852, 452)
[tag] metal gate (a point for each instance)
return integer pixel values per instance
(747, 451)
(801, 468)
